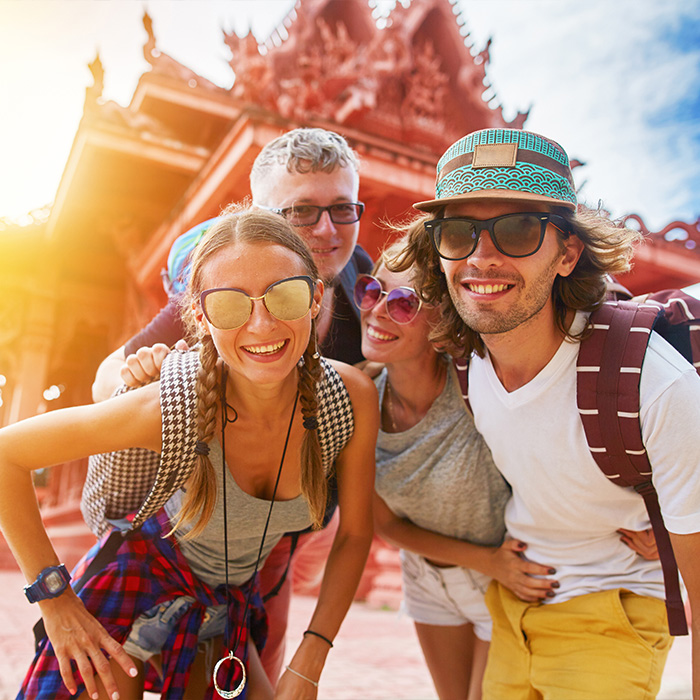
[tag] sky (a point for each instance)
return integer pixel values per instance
(616, 83)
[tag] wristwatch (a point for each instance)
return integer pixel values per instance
(50, 583)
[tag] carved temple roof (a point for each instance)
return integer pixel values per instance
(414, 80)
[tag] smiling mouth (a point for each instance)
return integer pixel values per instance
(488, 288)
(269, 349)
(379, 335)
(322, 251)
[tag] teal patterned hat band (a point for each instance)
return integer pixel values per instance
(503, 164)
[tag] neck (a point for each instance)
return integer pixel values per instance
(518, 356)
(267, 401)
(412, 387)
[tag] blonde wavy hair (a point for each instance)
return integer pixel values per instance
(249, 226)
(608, 248)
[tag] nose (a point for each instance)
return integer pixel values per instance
(324, 225)
(379, 309)
(261, 320)
(485, 254)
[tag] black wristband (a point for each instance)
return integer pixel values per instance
(320, 636)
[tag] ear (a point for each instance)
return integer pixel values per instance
(318, 298)
(572, 249)
(200, 318)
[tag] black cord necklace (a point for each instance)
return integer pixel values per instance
(224, 421)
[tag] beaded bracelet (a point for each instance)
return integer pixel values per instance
(320, 636)
(301, 675)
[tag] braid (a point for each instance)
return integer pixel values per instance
(313, 479)
(201, 494)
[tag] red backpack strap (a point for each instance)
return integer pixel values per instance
(608, 374)
(680, 323)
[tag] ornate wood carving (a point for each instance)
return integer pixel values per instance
(413, 81)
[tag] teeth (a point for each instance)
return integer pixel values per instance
(264, 349)
(488, 288)
(322, 251)
(374, 333)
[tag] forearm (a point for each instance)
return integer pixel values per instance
(685, 548)
(20, 522)
(438, 548)
(342, 575)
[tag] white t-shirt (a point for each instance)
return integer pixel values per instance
(563, 505)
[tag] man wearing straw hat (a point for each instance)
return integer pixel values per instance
(516, 268)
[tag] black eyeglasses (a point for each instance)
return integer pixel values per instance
(310, 215)
(287, 300)
(402, 303)
(515, 235)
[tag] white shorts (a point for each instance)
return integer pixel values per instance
(450, 596)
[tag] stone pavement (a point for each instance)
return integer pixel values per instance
(376, 655)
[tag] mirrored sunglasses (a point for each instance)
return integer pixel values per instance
(402, 303)
(515, 235)
(287, 300)
(310, 215)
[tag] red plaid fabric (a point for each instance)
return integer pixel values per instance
(149, 569)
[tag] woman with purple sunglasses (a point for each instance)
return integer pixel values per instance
(439, 497)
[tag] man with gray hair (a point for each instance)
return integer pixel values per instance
(310, 177)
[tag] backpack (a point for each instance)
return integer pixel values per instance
(607, 394)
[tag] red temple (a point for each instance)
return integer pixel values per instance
(138, 176)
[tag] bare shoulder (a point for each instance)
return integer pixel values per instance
(360, 386)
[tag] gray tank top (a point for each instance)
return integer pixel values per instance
(205, 553)
(439, 474)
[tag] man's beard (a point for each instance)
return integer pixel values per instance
(485, 321)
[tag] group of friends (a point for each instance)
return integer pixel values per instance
(527, 573)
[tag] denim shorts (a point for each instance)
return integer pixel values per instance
(449, 596)
(151, 630)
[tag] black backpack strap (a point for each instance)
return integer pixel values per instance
(608, 374)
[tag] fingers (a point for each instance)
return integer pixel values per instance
(182, 346)
(642, 542)
(64, 667)
(144, 365)
(117, 654)
(77, 636)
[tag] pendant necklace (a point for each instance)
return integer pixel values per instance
(235, 692)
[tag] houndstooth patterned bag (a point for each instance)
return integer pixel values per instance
(141, 481)
(138, 480)
(335, 419)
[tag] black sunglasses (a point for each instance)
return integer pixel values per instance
(310, 215)
(515, 235)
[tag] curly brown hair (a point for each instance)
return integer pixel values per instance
(608, 248)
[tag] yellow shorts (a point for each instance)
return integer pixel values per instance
(610, 645)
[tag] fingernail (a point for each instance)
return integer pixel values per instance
(133, 672)
(522, 545)
(550, 594)
(552, 571)
(115, 696)
(95, 696)
(555, 584)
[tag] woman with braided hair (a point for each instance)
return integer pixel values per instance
(273, 420)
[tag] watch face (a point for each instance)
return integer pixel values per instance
(54, 582)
